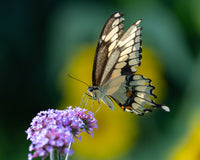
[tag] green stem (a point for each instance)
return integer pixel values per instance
(52, 155)
(67, 155)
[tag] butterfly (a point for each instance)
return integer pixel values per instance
(113, 77)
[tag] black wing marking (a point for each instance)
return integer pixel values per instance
(109, 37)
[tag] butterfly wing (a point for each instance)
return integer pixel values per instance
(133, 93)
(125, 56)
(115, 63)
(110, 35)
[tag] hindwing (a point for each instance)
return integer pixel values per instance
(133, 93)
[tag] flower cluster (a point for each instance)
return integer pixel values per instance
(55, 130)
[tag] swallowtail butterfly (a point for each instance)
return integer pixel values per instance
(114, 79)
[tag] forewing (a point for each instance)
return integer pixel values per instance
(126, 55)
(109, 37)
(130, 46)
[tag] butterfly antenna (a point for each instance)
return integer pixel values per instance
(77, 79)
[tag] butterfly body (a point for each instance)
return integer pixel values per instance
(99, 94)
(116, 60)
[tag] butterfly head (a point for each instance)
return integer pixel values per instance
(93, 90)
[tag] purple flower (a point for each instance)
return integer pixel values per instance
(55, 130)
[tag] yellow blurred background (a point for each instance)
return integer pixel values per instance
(42, 41)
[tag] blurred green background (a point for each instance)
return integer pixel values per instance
(42, 41)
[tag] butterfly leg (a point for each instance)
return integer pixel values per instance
(92, 103)
(98, 107)
(85, 101)
(82, 100)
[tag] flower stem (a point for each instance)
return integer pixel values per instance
(67, 155)
(52, 155)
